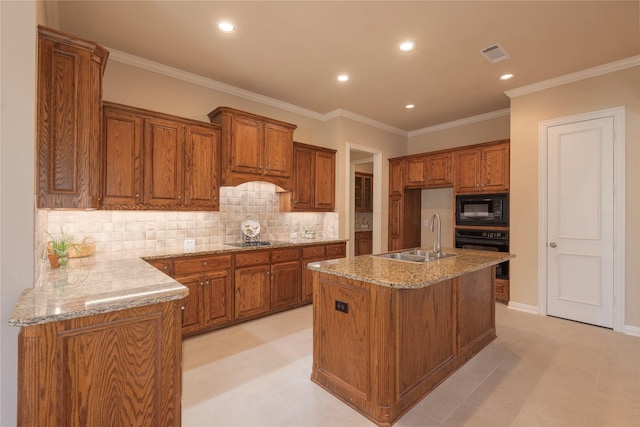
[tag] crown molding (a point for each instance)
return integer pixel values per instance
(340, 112)
(622, 64)
(461, 122)
(145, 64)
(177, 73)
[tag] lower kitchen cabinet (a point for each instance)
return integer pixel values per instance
(252, 284)
(120, 368)
(229, 288)
(210, 284)
(364, 242)
(313, 254)
(285, 278)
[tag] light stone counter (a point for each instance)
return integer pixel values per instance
(112, 281)
(409, 275)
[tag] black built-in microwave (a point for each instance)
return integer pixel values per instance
(483, 209)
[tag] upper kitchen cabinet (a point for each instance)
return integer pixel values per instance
(396, 176)
(254, 148)
(314, 180)
(482, 168)
(429, 170)
(69, 106)
(157, 161)
(363, 192)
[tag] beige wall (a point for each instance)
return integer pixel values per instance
(473, 133)
(621, 88)
(17, 118)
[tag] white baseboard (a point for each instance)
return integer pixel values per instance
(632, 330)
(531, 309)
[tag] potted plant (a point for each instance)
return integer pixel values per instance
(58, 249)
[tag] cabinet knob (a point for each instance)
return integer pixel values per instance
(201, 283)
(165, 267)
(207, 283)
(215, 197)
(179, 196)
(204, 262)
(183, 307)
(137, 195)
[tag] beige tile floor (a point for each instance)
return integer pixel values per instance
(540, 371)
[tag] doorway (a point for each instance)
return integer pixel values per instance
(366, 160)
(581, 214)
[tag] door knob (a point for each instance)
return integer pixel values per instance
(553, 244)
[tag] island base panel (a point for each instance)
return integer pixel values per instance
(381, 349)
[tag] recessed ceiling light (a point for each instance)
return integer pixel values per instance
(343, 78)
(506, 76)
(226, 27)
(409, 106)
(407, 46)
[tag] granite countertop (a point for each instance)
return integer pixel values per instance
(112, 281)
(408, 275)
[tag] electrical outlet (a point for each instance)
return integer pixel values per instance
(189, 245)
(425, 222)
(293, 235)
(342, 306)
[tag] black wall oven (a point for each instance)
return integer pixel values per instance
(488, 210)
(486, 240)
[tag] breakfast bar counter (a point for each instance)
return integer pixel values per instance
(387, 332)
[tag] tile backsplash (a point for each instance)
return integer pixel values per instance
(126, 230)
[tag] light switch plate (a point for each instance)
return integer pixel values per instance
(425, 222)
(189, 245)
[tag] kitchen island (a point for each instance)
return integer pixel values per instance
(387, 332)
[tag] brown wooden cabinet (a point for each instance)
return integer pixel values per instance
(363, 192)
(254, 148)
(314, 180)
(210, 284)
(396, 176)
(364, 242)
(68, 125)
(317, 253)
(285, 278)
(156, 161)
(482, 169)
(404, 220)
(429, 170)
(118, 368)
(252, 284)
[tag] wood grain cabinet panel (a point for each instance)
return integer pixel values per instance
(482, 169)
(122, 157)
(68, 123)
(202, 151)
(157, 161)
(163, 162)
(254, 148)
(252, 291)
(210, 283)
(314, 185)
(317, 253)
(120, 368)
(439, 170)
(363, 192)
(396, 176)
(364, 242)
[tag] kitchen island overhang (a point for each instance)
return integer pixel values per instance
(387, 332)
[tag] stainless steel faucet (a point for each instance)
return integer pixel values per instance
(437, 248)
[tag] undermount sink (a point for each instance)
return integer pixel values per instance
(417, 255)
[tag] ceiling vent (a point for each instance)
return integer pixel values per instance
(495, 53)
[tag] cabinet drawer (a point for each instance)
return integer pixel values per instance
(313, 252)
(336, 250)
(284, 255)
(188, 265)
(163, 265)
(252, 258)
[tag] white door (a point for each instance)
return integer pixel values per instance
(580, 221)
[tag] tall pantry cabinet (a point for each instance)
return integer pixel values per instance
(69, 102)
